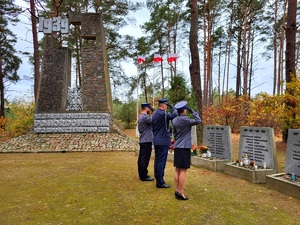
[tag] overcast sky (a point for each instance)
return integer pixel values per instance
(263, 74)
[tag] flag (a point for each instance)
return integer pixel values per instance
(157, 58)
(141, 59)
(172, 57)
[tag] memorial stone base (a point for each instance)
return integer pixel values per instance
(254, 176)
(211, 164)
(278, 183)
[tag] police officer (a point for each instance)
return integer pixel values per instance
(182, 147)
(145, 141)
(161, 139)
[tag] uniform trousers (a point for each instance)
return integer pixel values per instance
(161, 154)
(144, 158)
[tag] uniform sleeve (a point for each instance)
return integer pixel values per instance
(171, 116)
(148, 119)
(194, 121)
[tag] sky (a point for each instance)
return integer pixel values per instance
(24, 88)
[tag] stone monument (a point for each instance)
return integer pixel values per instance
(219, 143)
(292, 161)
(257, 144)
(88, 108)
(282, 181)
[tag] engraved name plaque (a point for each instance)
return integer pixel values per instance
(72, 122)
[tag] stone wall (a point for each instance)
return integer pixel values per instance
(94, 94)
(55, 78)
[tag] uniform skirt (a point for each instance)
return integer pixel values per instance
(182, 158)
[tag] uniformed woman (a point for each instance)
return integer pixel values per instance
(182, 147)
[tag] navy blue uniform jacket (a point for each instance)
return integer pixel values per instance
(160, 127)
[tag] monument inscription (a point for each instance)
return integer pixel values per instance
(71, 122)
(88, 106)
(218, 141)
(259, 144)
(292, 163)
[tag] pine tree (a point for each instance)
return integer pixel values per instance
(9, 61)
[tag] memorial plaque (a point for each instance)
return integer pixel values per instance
(71, 122)
(259, 144)
(218, 141)
(292, 161)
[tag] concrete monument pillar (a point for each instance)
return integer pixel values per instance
(52, 114)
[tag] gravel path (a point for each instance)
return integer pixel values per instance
(73, 142)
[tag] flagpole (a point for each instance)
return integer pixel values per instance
(137, 101)
(153, 88)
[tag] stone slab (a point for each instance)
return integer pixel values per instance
(275, 182)
(292, 162)
(218, 140)
(259, 144)
(254, 176)
(211, 164)
(72, 123)
(194, 135)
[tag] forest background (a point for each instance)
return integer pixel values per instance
(224, 39)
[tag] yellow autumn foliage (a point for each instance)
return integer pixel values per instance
(20, 114)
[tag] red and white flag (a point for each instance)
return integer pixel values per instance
(141, 59)
(172, 57)
(157, 58)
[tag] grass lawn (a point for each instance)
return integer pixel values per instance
(103, 188)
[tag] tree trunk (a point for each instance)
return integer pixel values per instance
(244, 51)
(290, 66)
(228, 55)
(36, 61)
(1, 89)
(291, 29)
(238, 72)
(275, 48)
(195, 64)
(281, 51)
(205, 71)
(209, 55)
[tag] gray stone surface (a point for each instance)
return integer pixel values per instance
(194, 136)
(218, 140)
(292, 163)
(259, 144)
(56, 76)
(75, 142)
(278, 183)
(71, 122)
(211, 164)
(254, 176)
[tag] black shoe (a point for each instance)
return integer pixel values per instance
(181, 197)
(147, 179)
(177, 194)
(164, 185)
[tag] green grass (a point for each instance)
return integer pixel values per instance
(103, 188)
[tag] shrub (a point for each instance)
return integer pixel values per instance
(21, 113)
